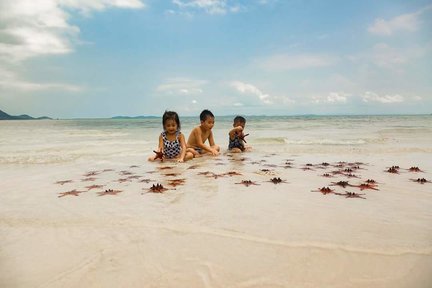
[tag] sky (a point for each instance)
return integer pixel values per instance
(104, 58)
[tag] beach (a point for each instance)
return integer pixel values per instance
(77, 207)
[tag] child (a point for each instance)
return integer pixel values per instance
(236, 135)
(201, 133)
(172, 142)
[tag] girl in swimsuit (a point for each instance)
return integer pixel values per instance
(171, 141)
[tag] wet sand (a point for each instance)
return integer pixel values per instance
(206, 230)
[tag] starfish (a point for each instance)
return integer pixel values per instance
(172, 174)
(158, 188)
(73, 192)
(91, 173)
(324, 190)
(247, 183)
(393, 170)
(242, 137)
(176, 182)
(109, 192)
(364, 186)
(277, 180)
(233, 173)
(88, 179)
(94, 187)
(63, 182)
(415, 169)
(327, 175)
(351, 195)
(350, 175)
(124, 172)
(159, 155)
(341, 183)
(165, 168)
(134, 177)
(421, 180)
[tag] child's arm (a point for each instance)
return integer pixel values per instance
(160, 144)
(183, 148)
(234, 131)
(212, 144)
(160, 149)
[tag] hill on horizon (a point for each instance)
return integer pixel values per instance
(5, 116)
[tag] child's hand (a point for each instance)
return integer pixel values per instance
(180, 160)
(214, 152)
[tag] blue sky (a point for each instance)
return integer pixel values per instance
(102, 58)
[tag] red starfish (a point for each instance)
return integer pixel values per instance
(233, 173)
(324, 190)
(364, 186)
(242, 136)
(421, 180)
(109, 192)
(91, 173)
(176, 182)
(277, 180)
(94, 187)
(159, 155)
(73, 192)
(351, 195)
(63, 182)
(88, 179)
(247, 183)
(158, 188)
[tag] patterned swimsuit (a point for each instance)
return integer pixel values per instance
(171, 148)
(235, 143)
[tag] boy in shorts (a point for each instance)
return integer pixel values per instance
(200, 134)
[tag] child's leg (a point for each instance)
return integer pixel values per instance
(188, 156)
(192, 151)
(235, 150)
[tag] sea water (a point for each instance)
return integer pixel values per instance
(58, 141)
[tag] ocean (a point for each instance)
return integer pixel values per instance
(58, 141)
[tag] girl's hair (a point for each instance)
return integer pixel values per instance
(171, 115)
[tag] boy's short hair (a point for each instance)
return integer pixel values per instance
(239, 119)
(205, 114)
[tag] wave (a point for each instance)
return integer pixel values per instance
(283, 140)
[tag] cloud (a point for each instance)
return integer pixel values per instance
(332, 97)
(246, 88)
(386, 99)
(181, 86)
(34, 28)
(10, 81)
(30, 29)
(215, 7)
(292, 62)
(409, 22)
(209, 6)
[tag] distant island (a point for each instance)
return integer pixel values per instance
(5, 116)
